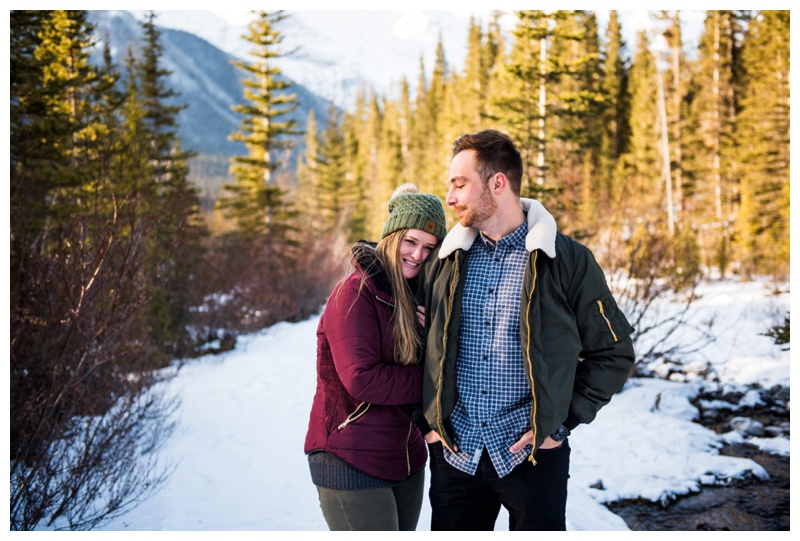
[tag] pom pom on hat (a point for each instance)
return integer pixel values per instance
(408, 187)
(409, 209)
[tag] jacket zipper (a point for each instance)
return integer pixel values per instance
(603, 313)
(355, 415)
(453, 283)
(535, 404)
(408, 439)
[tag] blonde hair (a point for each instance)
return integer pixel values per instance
(405, 328)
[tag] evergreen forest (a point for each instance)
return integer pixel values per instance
(671, 165)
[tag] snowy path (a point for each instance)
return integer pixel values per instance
(243, 418)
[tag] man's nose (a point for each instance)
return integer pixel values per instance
(450, 200)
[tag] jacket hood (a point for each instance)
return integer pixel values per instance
(541, 232)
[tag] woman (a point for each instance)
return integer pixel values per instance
(366, 457)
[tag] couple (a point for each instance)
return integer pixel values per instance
(522, 342)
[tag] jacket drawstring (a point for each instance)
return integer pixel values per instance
(355, 415)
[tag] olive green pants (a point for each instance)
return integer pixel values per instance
(374, 509)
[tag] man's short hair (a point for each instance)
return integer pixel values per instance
(495, 152)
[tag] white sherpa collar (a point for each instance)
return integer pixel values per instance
(541, 232)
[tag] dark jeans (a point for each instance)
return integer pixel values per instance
(535, 496)
(374, 509)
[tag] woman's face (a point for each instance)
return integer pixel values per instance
(415, 246)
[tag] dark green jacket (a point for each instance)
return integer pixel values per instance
(576, 343)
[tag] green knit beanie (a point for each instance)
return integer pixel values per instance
(409, 209)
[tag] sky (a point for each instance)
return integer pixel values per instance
(238, 451)
(413, 22)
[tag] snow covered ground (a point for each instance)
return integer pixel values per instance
(239, 449)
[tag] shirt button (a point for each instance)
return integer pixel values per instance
(484, 423)
(491, 290)
(486, 323)
(485, 357)
(484, 392)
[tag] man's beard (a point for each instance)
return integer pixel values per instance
(477, 214)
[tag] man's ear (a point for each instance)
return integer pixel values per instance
(499, 183)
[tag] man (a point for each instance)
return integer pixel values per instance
(524, 342)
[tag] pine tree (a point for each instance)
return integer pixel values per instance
(453, 123)
(307, 179)
(466, 108)
(713, 111)
(674, 89)
(471, 86)
(406, 130)
(133, 166)
(577, 120)
(255, 201)
(421, 126)
(30, 124)
(77, 284)
(439, 141)
(160, 111)
(391, 158)
(362, 141)
(354, 139)
(493, 55)
(51, 120)
(643, 157)
(423, 131)
(709, 186)
(615, 135)
(762, 227)
(174, 246)
(515, 103)
(372, 150)
(337, 193)
(538, 85)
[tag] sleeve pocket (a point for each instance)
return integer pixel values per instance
(611, 324)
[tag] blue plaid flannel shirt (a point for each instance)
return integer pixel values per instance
(494, 396)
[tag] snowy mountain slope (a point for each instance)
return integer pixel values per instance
(336, 51)
(202, 75)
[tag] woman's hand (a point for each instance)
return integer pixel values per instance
(421, 315)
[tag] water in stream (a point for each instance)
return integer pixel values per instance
(743, 505)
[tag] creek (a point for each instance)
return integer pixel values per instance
(741, 505)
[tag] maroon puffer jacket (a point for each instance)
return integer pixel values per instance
(361, 410)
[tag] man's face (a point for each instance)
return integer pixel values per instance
(469, 196)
